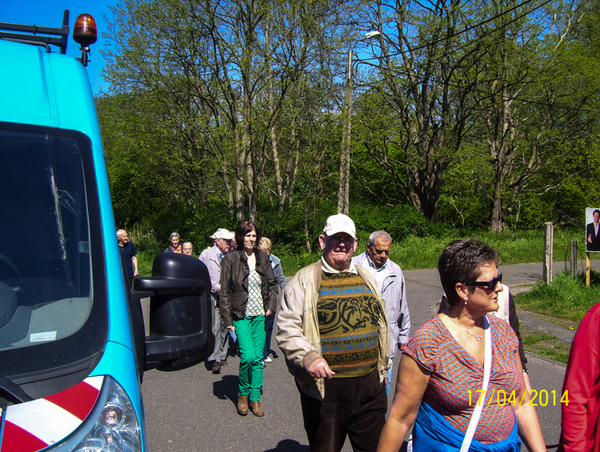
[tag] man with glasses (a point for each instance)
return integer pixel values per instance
(212, 259)
(390, 278)
(187, 248)
(334, 334)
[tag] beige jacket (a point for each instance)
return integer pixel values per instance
(298, 327)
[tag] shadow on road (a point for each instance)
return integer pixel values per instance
(289, 445)
(227, 388)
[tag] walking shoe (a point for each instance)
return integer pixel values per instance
(216, 369)
(242, 405)
(223, 362)
(256, 408)
(268, 359)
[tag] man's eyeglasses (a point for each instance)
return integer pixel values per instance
(491, 284)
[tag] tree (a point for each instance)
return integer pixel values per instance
(223, 74)
(423, 58)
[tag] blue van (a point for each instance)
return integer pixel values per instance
(73, 347)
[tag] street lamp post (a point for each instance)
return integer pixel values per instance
(344, 187)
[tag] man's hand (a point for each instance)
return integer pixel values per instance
(269, 313)
(590, 238)
(320, 369)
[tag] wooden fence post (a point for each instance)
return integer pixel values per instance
(573, 258)
(548, 251)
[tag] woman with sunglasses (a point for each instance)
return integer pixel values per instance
(460, 380)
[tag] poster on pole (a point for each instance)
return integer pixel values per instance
(592, 229)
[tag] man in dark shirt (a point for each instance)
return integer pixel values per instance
(129, 252)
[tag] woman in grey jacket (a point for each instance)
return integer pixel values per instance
(248, 294)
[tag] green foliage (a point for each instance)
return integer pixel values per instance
(565, 297)
(207, 124)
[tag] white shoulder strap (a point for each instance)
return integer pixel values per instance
(487, 366)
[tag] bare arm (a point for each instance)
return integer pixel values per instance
(528, 421)
(135, 267)
(410, 387)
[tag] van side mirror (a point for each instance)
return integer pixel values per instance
(180, 312)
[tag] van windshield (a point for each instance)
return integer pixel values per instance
(49, 313)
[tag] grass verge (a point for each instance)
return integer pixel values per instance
(544, 345)
(564, 298)
(563, 302)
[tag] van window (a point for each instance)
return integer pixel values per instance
(51, 295)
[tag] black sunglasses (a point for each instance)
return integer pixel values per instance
(491, 284)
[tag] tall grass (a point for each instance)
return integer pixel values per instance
(415, 253)
(565, 297)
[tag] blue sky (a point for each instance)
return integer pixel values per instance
(49, 13)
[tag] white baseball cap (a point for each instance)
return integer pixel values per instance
(339, 223)
(223, 234)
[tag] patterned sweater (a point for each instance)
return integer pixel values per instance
(348, 324)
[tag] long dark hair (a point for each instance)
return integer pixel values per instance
(244, 228)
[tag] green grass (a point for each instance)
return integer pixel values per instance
(545, 345)
(565, 297)
(564, 302)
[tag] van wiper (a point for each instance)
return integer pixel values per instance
(12, 392)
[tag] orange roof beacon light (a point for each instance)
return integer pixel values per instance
(85, 33)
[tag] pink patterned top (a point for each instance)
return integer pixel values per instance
(455, 372)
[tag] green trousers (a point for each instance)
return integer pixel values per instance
(251, 336)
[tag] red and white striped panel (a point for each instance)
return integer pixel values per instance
(40, 423)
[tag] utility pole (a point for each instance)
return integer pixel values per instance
(344, 186)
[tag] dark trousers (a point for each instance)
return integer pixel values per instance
(269, 322)
(352, 406)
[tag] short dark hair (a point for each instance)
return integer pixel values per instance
(243, 228)
(596, 211)
(460, 262)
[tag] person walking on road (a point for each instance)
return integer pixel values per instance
(265, 246)
(334, 333)
(212, 258)
(187, 248)
(129, 253)
(581, 415)
(175, 244)
(248, 294)
(391, 282)
(458, 355)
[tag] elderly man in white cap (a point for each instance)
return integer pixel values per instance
(335, 337)
(212, 259)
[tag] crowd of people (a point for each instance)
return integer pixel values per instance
(343, 320)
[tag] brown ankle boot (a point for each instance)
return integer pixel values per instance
(256, 408)
(242, 405)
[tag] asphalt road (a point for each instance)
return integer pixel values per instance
(194, 410)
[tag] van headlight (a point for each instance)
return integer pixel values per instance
(112, 426)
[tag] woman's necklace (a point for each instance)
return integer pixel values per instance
(477, 337)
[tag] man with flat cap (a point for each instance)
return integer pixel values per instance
(212, 259)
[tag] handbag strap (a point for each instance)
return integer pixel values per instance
(487, 365)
